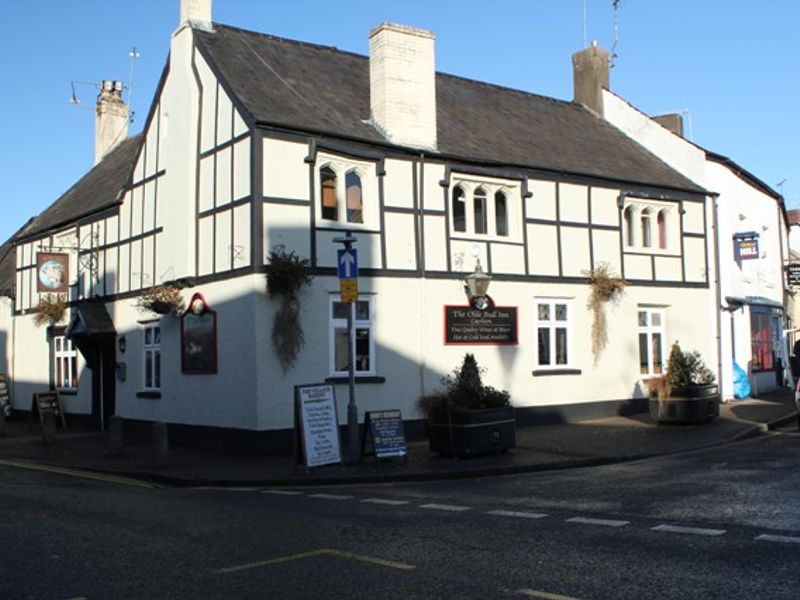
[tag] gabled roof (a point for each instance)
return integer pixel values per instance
(319, 89)
(97, 190)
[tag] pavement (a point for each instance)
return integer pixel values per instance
(539, 448)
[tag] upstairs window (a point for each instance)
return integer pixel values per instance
(355, 205)
(330, 209)
(647, 240)
(459, 210)
(479, 208)
(651, 226)
(662, 230)
(500, 214)
(630, 238)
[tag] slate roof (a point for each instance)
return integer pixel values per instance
(320, 89)
(97, 190)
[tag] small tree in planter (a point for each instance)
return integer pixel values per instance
(686, 393)
(468, 418)
(287, 274)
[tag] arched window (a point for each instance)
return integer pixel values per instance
(479, 208)
(355, 202)
(647, 241)
(459, 210)
(328, 186)
(662, 229)
(629, 226)
(500, 214)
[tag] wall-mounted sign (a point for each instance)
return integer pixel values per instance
(52, 272)
(467, 325)
(316, 425)
(793, 274)
(745, 245)
(199, 337)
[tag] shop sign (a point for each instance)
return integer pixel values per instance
(745, 245)
(494, 326)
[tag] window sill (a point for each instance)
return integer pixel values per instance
(543, 372)
(359, 379)
(149, 394)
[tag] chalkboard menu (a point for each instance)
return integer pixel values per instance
(467, 325)
(383, 431)
(316, 425)
(5, 399)
(48, 402)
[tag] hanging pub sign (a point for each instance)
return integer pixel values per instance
(199, 337)
(793, 274)
(52, 272)
(495, 326)
(745, 245)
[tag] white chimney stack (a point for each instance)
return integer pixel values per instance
(402, 74)
(111, 119)
(196, 13)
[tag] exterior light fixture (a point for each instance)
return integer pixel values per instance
(477, 284)
(122, 343)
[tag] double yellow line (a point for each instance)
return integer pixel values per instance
(21, 464)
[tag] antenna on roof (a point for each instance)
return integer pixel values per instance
(73, 99)
(585, 23)
(615, 4)
(780, 185)
(134, 54)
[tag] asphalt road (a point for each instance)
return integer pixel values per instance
(723, 523)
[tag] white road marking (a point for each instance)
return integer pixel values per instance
(282, 492)
(689, 530)
(517, 513)
(544, 595)
(330, 496)
(384, 501)
(603, 522)
(450, 507)
(786, 539)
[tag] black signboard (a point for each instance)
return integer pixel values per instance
(745, 245)
(384, 430)
(43, 402)
(5, 401)
(466, 325)
(793, 274)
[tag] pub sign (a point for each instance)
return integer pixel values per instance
(745, 245)
(52, 272)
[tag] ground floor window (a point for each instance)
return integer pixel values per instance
(552, 333)
(152, 357)
(65, 363)
(363, 338)
(651, 341)
(764, 334)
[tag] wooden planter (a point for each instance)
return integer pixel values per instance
(693, 404)
(461, 433)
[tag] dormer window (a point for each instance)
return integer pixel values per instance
(479, 206)
(355, 202)
(500, 214)
(651, 226)
(485, 209)
(662, 229)
(459, 210)
(646, 223)
(330, 209)
(348, 193)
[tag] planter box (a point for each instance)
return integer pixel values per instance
(462, 433)
(694, 404)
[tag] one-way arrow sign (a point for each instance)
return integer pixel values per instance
(347, 261)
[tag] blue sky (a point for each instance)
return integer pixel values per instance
(731, 64)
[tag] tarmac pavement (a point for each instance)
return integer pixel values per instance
(539, 448)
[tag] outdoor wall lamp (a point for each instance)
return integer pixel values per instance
(122, 343)
(477, 284)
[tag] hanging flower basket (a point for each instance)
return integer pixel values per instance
(162, 299)
(50, 310)
(606, 287)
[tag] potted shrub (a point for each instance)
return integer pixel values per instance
(468, 418)
(686, 393)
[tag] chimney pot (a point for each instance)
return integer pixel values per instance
(196, 13)
(111, 119)
(590, 69)
(672, 121)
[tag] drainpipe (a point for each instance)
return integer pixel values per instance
(718, 292)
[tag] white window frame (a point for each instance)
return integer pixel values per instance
(552, 325)
(649, 330)
(490, 187)
(341, 323)
(152, 349)
(366, 172)
(64, 350)
(637, 209)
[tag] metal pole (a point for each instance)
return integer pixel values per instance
(352, 409)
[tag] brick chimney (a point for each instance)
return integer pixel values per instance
(590, 71)
(402, 75)
(196, 13)
(111, 119)
(672, 121)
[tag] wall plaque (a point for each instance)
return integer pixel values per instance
(466, 325)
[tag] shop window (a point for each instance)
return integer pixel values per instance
(152, 357)
(355, 205)
(363, 338)
(651, 341)
(330, 209)
(65, 364)
(762, 357)
(552, 333)
(459, 210)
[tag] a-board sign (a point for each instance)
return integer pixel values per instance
(383, 430)
(48, 401)
(316, 424)
(5, 398)
(467, 325)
